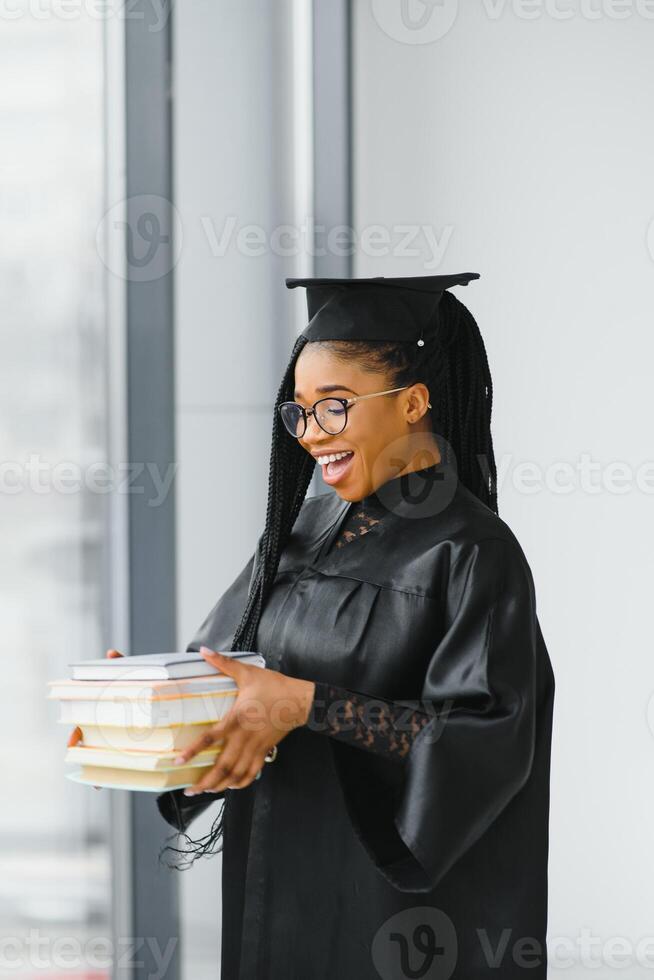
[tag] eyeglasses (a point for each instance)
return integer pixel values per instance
(330, 413)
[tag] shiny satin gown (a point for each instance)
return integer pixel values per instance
(342, 861)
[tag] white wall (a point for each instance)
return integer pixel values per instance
(532, 142)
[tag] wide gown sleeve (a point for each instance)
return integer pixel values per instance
(476, 753)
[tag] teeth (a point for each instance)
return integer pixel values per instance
(323, 460)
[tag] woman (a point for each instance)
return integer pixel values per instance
(406, 705)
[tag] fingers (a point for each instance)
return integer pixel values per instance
(113, 653)
(228, 665)
(75, 736)
(233, 771)
(252, 772)
(215, 734)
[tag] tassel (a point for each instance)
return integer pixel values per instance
(185, 809)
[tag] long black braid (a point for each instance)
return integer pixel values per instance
(454, 367)
(291, 469)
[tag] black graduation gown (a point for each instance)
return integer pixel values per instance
(341, 863)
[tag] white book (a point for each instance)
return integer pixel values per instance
(155, 712)
(122, 690)
(154, 666)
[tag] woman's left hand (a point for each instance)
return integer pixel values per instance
(268, 705)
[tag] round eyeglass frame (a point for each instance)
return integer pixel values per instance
(345, 402)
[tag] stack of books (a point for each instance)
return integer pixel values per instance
(137, 713)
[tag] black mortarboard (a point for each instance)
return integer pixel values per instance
(403, 309)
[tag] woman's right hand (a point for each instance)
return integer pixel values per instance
(76, 734)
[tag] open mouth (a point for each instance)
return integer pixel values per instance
(337, 466)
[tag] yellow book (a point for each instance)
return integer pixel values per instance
(133, 779)
(169, 738)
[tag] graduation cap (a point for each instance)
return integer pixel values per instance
(404, 309)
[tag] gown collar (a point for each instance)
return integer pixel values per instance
(424, 493)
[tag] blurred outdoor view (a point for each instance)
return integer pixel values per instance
(54, 861)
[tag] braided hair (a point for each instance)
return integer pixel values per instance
(454, 367)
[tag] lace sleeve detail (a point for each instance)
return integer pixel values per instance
(384, 727)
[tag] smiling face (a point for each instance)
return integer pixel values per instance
(384, 436)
